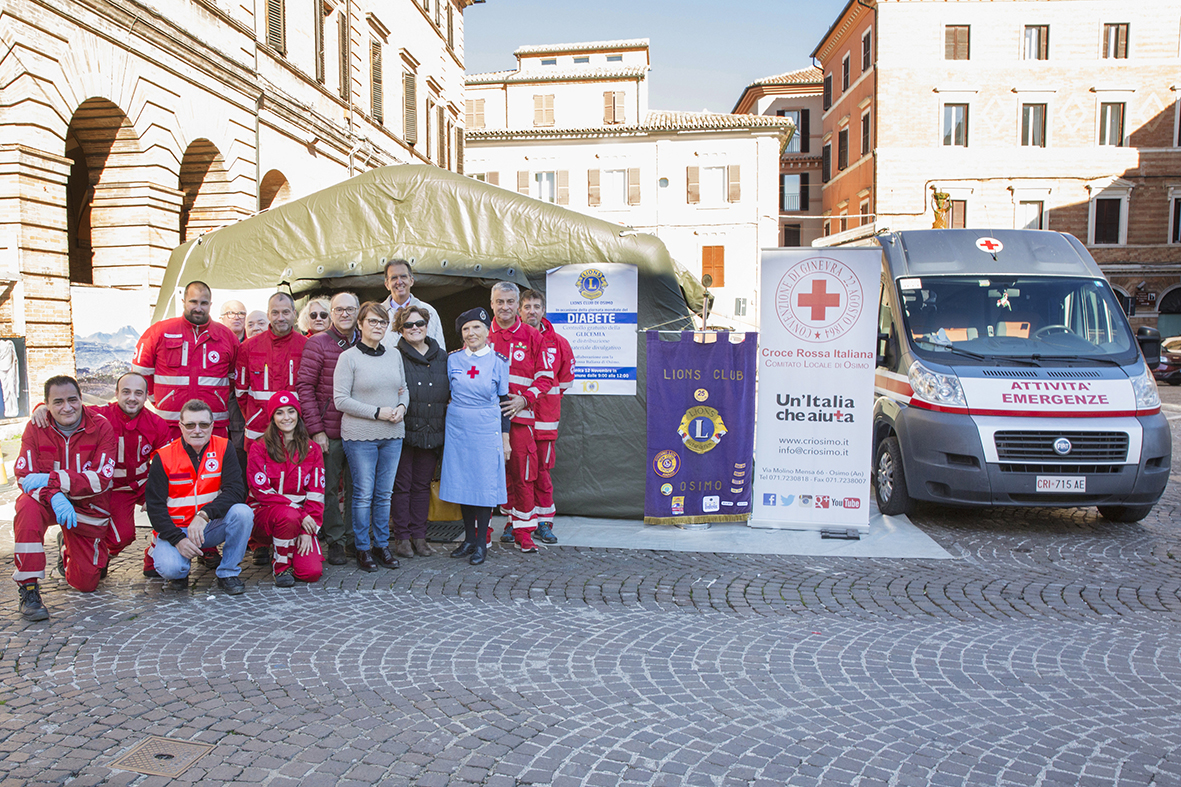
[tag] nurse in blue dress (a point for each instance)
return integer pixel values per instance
(476, 444)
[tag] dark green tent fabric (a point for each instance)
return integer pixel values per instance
(462, 235)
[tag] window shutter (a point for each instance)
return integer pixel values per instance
(733, 184)
(803, 191)
(523, 182)
(492, 177)
(563, 187)
(450, 26)
(539, 110)
(633, 186)
(961, 43)
(344, 34)
(426, 129)
(318, 29)
(1043, 44)
(593, 193)
(479, 113)
(410, 132)
(713, 262)
(782, 190)
(949, 43)
(276, 27)
(608, 107)
(826, 164)
(441, 154)
(1121, 41)
(375, 92)
(459, 132)
(469, 113)
(692, 185)
(549, 110)
(619, 106)
(803, 131)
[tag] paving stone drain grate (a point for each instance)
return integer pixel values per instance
(156, 756)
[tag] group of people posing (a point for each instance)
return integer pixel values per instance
(251, 440)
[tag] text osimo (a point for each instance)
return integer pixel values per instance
(700, 486)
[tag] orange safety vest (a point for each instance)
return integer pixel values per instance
(188, 491)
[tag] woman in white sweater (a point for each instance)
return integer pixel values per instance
(369, 389)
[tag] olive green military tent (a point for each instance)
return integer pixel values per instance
(461, 235)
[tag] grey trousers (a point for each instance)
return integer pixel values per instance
(337, 530)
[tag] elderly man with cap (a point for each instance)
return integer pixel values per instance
(477, 432)
(286, 475)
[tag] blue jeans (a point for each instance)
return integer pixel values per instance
(234, 529)
(373, 464)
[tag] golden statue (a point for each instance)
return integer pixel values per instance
(941, 201)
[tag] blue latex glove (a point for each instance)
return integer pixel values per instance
(63, 509)
(34, 481)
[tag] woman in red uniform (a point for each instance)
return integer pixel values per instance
(286, 473)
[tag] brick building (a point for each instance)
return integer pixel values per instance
(1051, 114)
(127, 128)
(795, 95)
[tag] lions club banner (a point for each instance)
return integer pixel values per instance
(816, 370)
(701, 399)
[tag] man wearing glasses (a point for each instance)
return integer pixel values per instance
(314, 387)
(194, 499)
(399, 278)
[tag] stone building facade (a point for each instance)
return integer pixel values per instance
(1055, 115)
(571, 125)
(128, 127)
(795, 95)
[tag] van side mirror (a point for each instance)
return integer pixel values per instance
(1149, 341)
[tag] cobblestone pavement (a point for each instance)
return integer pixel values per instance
(1048, 652)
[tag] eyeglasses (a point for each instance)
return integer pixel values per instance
(344, 309)
(375, 323)
(202, 425)
(318, 315)
(233, 314)
(415, 324)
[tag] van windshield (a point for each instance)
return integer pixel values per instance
(1022, 318)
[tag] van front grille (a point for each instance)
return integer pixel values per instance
(1038, 446)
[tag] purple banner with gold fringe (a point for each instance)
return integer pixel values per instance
(701, 420)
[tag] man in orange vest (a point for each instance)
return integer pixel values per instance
(195, 498)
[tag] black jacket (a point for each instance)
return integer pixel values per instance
(233, 490)
(426, 376)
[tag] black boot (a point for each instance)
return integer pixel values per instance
(465, 549)
(31, 606)
(479, 553)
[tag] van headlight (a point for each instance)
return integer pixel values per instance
(934, 387)
(1147, 397)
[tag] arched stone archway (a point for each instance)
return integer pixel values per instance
(1169, 308)
(274, 190)
(207, 202)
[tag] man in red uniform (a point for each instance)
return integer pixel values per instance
(187, 358)
(64, 470)
(548, 410)
(529, 379)
(268, 362)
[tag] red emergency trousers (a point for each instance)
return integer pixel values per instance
(136, 440)
(182, 361)
(282, 494)
(529, 377)
(548, 410)
(81, 467)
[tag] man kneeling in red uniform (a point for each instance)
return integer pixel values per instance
(286, 474)
(64, 470)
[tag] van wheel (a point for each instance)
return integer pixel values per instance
(890, 480)
(1124, 513)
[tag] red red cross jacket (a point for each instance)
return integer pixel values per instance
(266, 363)
(528, 374)
(81, 466)
(136, 440)
(560, 358)
(182, 361)
(299, 485)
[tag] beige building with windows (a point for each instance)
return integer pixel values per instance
(795, 95)
(126, 129)
(1055, 115)
(571, 125)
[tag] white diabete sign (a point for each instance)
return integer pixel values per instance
(595, 308)
(1048, 397)
(815, 398)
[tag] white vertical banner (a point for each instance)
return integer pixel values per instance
(817, 353)
(596, 308)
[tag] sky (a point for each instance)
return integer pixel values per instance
(703, 54)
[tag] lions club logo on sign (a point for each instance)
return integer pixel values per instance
(591, 283)
(701, 429)
(819, 299)
(666, 464)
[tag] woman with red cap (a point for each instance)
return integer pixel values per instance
(286, 474)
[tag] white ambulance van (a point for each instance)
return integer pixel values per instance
(1008, 375)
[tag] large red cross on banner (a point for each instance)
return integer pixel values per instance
(819, 299)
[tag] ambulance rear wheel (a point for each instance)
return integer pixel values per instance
(890, 479)
(1124, 513)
